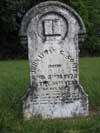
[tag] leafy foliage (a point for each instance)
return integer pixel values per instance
(90, 12)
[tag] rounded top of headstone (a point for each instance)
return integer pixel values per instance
(45, 6)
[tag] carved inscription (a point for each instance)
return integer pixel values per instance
(55, 85)
(40, 57)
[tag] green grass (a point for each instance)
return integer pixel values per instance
(14, 81)
(90, 79)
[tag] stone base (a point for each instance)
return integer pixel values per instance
(57, 111)
(71, 108)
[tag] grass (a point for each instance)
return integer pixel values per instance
(90, 79)
(14, 81)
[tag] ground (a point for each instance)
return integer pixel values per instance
(14, 81)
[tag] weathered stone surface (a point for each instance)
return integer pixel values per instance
(53, 31)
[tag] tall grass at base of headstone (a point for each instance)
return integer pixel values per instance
(14, 81)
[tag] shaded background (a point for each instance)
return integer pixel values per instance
(12, 12)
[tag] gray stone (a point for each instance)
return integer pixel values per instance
(53, 31)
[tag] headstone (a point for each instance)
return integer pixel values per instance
(54, 31)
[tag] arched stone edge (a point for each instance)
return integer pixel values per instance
(36, 9)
